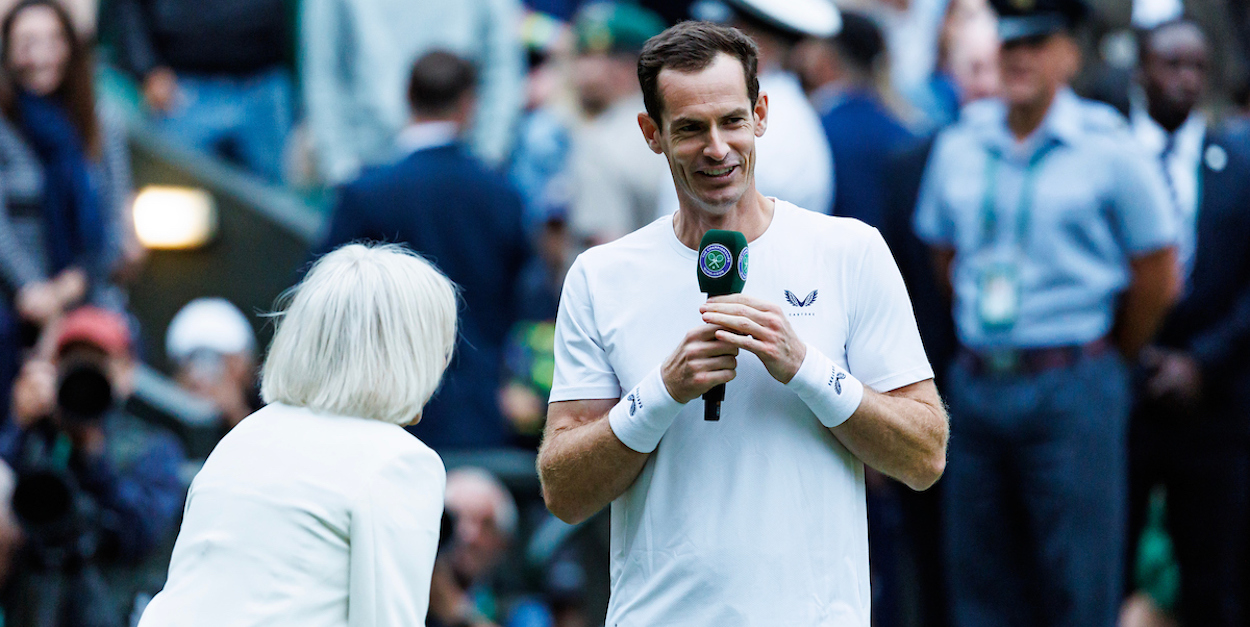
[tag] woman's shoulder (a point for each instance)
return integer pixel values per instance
(280, 440)
(414, 455)
(381, 442)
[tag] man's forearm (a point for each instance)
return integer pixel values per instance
(583, 467)
(1153, 289)
(901, 433)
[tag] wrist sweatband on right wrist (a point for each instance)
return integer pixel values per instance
(832, 393)
(644, 414)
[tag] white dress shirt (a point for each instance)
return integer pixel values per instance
(1180, 155)
(307, 520)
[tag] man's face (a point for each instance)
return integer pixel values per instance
(1034, 68)
(973, 61)
(601, 78)
(708, 132)
(1174, 69)
(479, 545)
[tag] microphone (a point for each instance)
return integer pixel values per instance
(722, 271)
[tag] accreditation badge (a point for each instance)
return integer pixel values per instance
(998, 299)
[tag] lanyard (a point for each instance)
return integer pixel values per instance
(989, 204)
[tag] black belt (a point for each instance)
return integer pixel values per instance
(22, 209)
(1017, 361)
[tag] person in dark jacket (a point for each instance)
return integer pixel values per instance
(862, 132)
(467, 220)
(1190, 431)
(213, 73)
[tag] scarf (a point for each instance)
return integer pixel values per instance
(73, 224)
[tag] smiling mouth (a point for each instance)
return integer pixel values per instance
(718, 174)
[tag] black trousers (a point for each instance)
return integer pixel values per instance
(1205, 472)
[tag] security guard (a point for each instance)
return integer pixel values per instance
(1051, 229)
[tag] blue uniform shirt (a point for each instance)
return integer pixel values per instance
(1094, 201)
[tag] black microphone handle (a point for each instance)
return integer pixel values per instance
(711, 402)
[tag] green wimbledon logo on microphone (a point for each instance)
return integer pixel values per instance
(715, 261)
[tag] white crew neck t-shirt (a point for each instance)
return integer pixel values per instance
(759, 518)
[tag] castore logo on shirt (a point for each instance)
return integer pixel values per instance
(801, 303)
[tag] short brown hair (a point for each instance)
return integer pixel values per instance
(691, 47)
(438, 80)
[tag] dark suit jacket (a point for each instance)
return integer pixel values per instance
(466, 219)
(1212, 321)
(862, 135)
(901, 191)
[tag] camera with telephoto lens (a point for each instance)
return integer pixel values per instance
(63, 585)
(84, 392)
(54, 512)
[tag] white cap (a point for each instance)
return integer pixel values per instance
(1148, 14)
(814, 18)
(208, 324)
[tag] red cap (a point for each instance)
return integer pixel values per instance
(97, 327)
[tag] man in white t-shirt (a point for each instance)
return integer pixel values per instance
(758, 518)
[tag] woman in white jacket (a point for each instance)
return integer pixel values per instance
(320, 510)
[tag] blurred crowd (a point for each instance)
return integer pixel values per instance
(500, 138)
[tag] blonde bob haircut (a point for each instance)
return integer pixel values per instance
(367, 333)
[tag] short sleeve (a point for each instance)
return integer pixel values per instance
(582, 368)
(931, 222)
(883, 348)
(395, 523)
(1143, 215)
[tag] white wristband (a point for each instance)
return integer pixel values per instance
(832, 393)
(642, 417)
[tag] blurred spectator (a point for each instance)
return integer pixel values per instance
(355, 56)
(862, 133)
(213, 350)
(483, 519)
(213, 74)
(96, 486)
(1052, 231)
(1191, 430)
(64, 210)
(616, 179)
(793, 161)
(446, 205)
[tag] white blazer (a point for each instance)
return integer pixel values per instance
(307, 520)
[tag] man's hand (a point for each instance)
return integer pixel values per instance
(701, 362)
(759, 327)
(71, 287)
(160, 88)
(38, 302)
(1174, 377)
(34, 393)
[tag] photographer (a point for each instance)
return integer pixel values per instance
(97, 489)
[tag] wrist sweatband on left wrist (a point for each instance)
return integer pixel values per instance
(832, 393)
